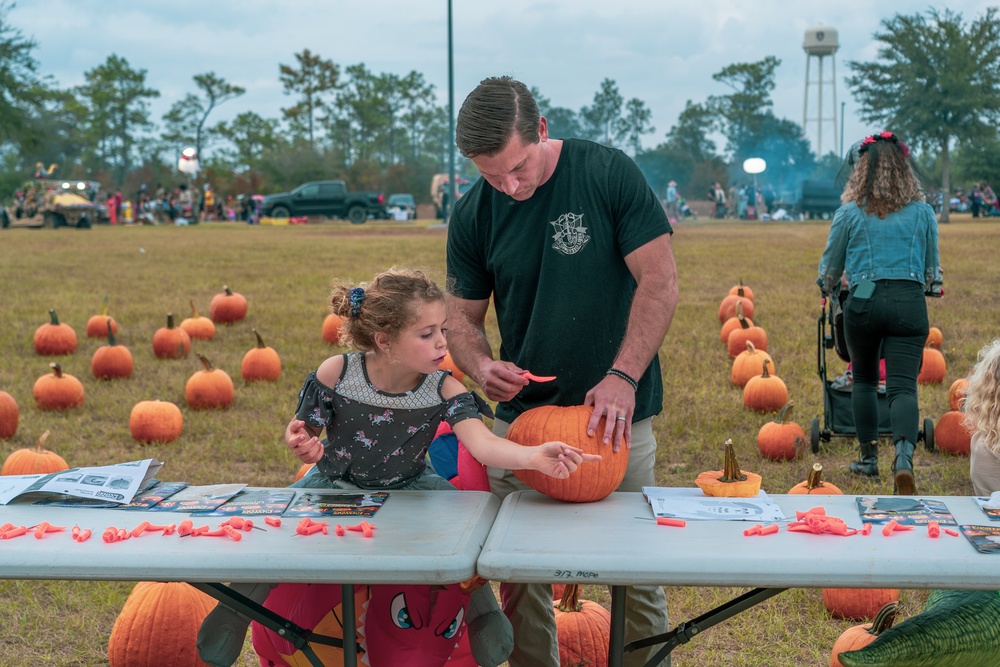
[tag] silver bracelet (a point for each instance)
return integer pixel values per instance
(625, 376)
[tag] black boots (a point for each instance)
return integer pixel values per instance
(867, 464)
(902, 469)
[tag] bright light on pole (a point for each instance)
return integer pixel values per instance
(754, 165)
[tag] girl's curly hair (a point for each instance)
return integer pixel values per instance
(883, 180)
(388, 304)
(982, 398)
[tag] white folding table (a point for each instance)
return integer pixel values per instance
(429, 537)
(615, 541)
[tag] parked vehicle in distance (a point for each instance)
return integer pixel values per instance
(403, 205)
(51, 203)
(326, 198)
(820, 199)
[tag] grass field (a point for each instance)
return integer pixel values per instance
(285, 272)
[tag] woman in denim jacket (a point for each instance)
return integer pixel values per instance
(884, 239)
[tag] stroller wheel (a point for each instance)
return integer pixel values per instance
(814, 435)
(928, 434)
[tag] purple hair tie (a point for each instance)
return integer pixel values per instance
(355, 297)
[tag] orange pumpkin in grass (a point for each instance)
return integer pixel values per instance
(260, 362)
(727, 308)
(54, 338)
(9, 416)
(957, 392)
(951, 435)
(198, 327)
(34, 461)
(227, 307)
(766, 392)
(583, 628)
(747, 331)
(592, 480)
(934, 338)
(159, 625)
(748, 364)
(781, 440)
(741, 290)
(209, 387)
(331, 329)
(859, 636)
(731, 481)
(933, 368)
(858, 603)
(155, 421)
(813, 485)
(170, 342)
(729, 326)
(57, 390)
(98, 325)
(111, 361)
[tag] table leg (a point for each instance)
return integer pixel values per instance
(299, 637)
(616, 647)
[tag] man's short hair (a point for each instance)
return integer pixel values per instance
(498, 107)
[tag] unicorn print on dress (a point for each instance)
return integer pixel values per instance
(367, 443)
(378, 420)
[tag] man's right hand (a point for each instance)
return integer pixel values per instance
(501, 380)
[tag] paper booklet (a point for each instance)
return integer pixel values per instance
(198, 498)
(990, 506)
(143, 500)
(316, 502)
(256, 502)
(117, 483)
(692, 503)
(907, 511)
(986, 539)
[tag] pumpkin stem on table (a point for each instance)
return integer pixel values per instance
(41, 441)
(570, 599)
(260, 341)
(814, 480)
(884, 619)
(56, 370)
(205, 362)
(53, 318)
(731, 468)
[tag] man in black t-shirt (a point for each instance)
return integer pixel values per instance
(574, 249)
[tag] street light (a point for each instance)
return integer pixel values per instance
(754, 165)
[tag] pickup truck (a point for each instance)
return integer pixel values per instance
(327, 198)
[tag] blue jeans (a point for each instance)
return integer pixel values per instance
(892, 323)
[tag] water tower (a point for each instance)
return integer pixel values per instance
(821, 42)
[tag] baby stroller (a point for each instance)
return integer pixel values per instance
(838, 416)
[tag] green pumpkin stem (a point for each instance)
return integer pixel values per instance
(785, 409)
(111, 334)
(56, 369)
(170, 320)
(765, 374)
(744, 323)
(884, 619)
(260, 341)
(53, 318)
(570, 599)
(206, 363)
(731, 469)
(227, 290)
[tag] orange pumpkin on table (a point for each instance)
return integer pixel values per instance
(198, 327)
(57, 390)
(813, 485)
(781, 440)
(859, 636)
(731, 481)
(55, 338)
(155, 421)
(170, 342)
(260, 362)
(98, 325)
(34, 461)
(592, 480)
(227, 307)
(9, 416)
(209, 387)
(111, 361)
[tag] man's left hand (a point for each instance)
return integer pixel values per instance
(614, 399)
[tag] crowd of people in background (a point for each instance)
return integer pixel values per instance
(181, 205)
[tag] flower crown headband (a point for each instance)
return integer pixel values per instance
(883, 136)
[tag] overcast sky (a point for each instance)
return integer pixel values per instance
(663, 52)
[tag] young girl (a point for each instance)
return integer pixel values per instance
(380, 408)
(982, 417)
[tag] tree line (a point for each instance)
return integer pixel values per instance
(935, 81)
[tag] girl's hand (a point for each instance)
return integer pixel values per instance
(557, 459)
(304, 445)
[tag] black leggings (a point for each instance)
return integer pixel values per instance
(892, 323)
